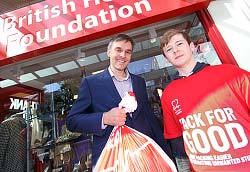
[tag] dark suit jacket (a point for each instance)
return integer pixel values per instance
(98, 94)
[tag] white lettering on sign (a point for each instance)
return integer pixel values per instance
(17, 40)
(214, 130)
(22, 104)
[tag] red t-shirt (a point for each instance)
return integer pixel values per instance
(211, 109)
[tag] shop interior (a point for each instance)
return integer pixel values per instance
(52, 81)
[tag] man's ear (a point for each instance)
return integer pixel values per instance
(192, 46)
(108, 52)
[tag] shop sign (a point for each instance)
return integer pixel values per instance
(20, 104)
(54, 24)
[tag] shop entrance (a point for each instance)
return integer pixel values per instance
(56, 77)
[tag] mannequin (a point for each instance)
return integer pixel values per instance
(13, 144)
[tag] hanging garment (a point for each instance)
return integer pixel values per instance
(13, 145)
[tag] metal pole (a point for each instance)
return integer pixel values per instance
(28, 117)
(53, 117)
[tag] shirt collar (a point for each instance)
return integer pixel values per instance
(198, 67)
(113, 75)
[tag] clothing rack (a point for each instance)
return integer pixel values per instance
(28, 119)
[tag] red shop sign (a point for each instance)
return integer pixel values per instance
(55, 24)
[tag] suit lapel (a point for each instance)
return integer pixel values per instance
(109, 86)
(136, 91)
(135, 86)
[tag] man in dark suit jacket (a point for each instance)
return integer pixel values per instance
(96, 110)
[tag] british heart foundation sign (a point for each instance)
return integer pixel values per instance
(55, 23)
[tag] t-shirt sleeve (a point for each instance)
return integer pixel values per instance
(172, 128)
(246, 87)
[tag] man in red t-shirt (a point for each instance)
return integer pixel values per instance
(209, 106)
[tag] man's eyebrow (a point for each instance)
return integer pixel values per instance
(119, 48)
(181, 40)
(169, 46)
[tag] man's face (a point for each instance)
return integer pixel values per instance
(178, 52)
(120, 55)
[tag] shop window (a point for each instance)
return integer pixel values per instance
(62, 79)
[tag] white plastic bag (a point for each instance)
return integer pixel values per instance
(128, 150)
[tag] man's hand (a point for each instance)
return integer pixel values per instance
(116, 116)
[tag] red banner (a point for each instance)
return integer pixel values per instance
(54, 24)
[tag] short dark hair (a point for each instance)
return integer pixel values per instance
(169, 34)
(120, 37)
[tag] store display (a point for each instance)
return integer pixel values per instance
(53, 146)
